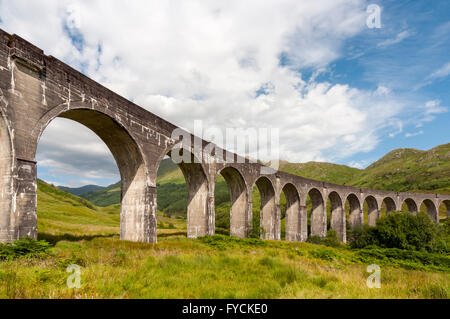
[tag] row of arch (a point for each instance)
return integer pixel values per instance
(312, 216)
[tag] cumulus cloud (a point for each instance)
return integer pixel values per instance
(229, 64)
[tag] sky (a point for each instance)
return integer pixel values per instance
(339, 86)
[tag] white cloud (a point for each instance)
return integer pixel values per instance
(358, 164)
(443, 72)
(398, 38)
(414, 134)
(206, 60)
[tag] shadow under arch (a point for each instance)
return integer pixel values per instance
(270, 222)
(373, 212)
(446, 207)
(6, 186)
(137, 213)
(295, 222)
(356, 216)
(431, 209)
(200, 221)
(240, 218)
(318, 213)
(411, 205)
(337, 216)
(390, 205)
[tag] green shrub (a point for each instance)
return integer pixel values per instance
(405, 258)
(402, 230)
(315, 240)
(26, 247)
(361, 236)
(324, 254)
(331, 239)
(221, 242)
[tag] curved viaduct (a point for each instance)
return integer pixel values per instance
(35, 89)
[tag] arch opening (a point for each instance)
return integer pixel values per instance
(269, 215)
(355, 213)
(200, 220)
(411, 206)
(444, 210)
(430, 208)
(294, 221)
(373, 212)
(317, 213)
(389, 205)
(137, 215)
(337, 216)
(231, 203)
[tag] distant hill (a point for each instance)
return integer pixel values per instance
(105, 196)
(325, 172)
(80, 190)
(409, 170)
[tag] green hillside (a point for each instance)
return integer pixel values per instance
(80, 190)
(325, 172)
(60, 212)
(105, 196)
(409, 170)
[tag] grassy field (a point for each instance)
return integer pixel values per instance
(212, 267)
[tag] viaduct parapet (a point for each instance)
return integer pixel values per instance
(36, 88)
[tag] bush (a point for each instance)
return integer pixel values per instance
(361, 236)
(331, 239)
(24, 248)
(324, 254)
(404, 258)
(403, 230)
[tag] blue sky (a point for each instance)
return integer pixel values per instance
(406, 55)
(337, 90)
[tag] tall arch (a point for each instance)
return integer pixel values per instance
(337, 216)
(199, 221)
(446, 204)
(6, 186)
(411, 204)
(373, 212)
(295, 222)
(390, 205)
(240, 218)
(431, 209)
(318, 213)
(355, 214)
(138, 198)
(269, 215)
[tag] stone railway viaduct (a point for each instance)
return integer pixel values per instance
(35, 89)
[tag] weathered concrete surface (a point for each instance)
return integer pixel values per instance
(35, 89)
